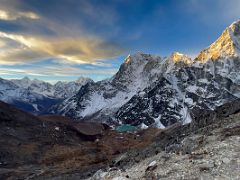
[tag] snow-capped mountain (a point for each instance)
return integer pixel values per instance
(227, 45)
(37, 96)
(59, 90)
(34, 85)
(67, 89)
(153, 91)
(104, 98)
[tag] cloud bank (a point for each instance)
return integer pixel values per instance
(68, 41)
(35, 48)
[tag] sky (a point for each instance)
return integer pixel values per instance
(56, 40)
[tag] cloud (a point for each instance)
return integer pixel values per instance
(20, 56)
(76, 50)
(53, 71)
(68, 36)
(14, 15)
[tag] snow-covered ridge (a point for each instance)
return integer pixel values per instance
(36, 95)
(179, 57)
(60, 89)
(150, 90)
(153, 91)
(138, 72)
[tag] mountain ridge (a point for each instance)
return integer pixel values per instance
(153, 91)
(37, 96)
(228, 44)
(147, 90)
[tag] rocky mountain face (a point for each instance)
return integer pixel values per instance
(153, 91)
(37, 96)
(226, 45)
(102, 99)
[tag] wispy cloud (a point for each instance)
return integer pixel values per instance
(14, 15)
(69, 41)
(77, 50)
(62, 71)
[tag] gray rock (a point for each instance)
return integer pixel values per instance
(226, 160)
(206, 166)
(152, 166)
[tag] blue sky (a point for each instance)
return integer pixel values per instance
(63, 39)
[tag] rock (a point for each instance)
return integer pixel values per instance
(152, 163)
(57, 128)
(99, 175)
(152, 166)
(118, 160)
(189, 144)
(206, 166)
(173, 148)
(3, 163)
(120, 178)
(226, 160)
(166, 157)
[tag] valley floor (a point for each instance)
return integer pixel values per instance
(211, 153)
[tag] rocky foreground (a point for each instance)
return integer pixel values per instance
(213, 152)
(53, 147)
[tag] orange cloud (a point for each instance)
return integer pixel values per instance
(76, 50)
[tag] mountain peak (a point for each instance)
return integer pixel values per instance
(83, 80)
(25, 78)
(137, 58)
(235, 27)
(228, 44)
(177, 57)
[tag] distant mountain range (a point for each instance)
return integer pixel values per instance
(153, 91)
(37, 96)
(146, 91)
